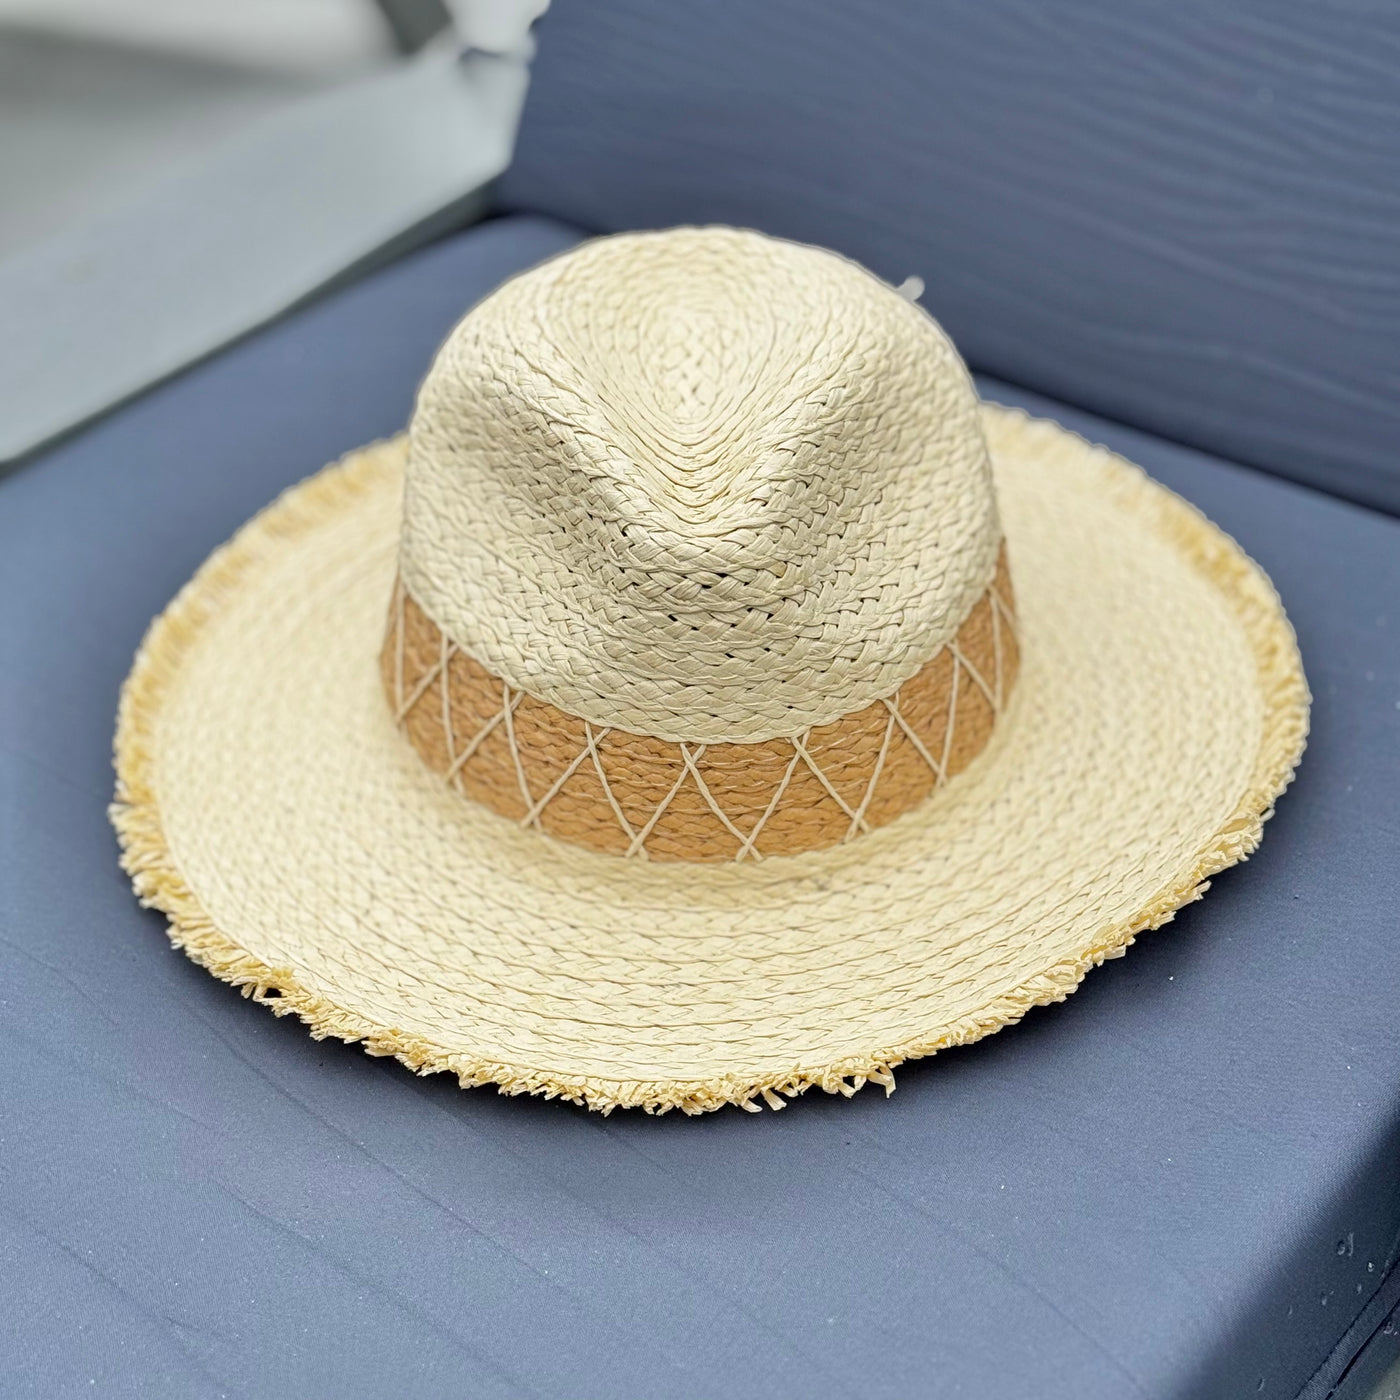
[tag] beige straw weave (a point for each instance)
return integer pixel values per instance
(701, 485)
(638, 796)
(272, 805)
(267, 803)
(689, 573)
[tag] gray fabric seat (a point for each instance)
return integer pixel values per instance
(1183, 1182)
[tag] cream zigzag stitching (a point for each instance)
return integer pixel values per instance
(608, 792)
(440, 673)
(158, 881)
(639, 840)
(748, 848)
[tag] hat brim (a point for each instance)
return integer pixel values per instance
(268, 805)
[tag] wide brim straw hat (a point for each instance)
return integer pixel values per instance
(707, 699)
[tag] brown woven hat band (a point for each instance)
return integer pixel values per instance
(633, 795)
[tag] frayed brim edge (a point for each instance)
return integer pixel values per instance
(147, 859)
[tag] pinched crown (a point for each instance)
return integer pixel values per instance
(703, 485)
(700, 556)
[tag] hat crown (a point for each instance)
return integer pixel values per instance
(703, 485)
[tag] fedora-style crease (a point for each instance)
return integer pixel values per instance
(706, 699)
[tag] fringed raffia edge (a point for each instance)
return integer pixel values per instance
(158, 883)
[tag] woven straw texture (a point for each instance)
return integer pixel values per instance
(638, 796)
(268, 804)
(699, 484)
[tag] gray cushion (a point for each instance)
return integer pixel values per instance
(1183, 1182)
(1181, 216)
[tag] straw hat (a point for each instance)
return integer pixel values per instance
(707, 699)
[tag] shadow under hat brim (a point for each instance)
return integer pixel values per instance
(267, 804)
